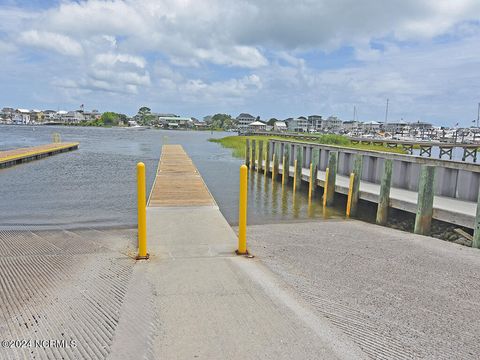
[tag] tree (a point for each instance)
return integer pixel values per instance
(112, 119)
(144, 115)
(221, 121)
(272, 121)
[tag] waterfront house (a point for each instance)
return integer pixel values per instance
(332, 124)
(315, 123)
(280, 126)
(299, 124)
(257, 126)
(370, 126)
(21, 117)
(243, 120)
(174, 122)
(72, 117)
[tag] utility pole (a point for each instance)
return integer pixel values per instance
(478, 114)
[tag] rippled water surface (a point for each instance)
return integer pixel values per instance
(95, 185)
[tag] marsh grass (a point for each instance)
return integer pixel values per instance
(237, 143)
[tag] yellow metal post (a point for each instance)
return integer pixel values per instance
(350, 192)
(310, 181)
(142, 212)
(242, 213)
(283, 171)
(325, 189)
(294, 176)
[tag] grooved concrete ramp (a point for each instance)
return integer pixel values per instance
(213, 304)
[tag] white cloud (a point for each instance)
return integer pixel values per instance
(261, 51)
(51, 41)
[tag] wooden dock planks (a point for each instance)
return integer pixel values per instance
(178, 182)
(10, 157)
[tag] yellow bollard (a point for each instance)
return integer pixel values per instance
(142, 212)
(350, 192)
(310, 183)
(283, 170)
(294, 176)
(325, 188)
(242, 213)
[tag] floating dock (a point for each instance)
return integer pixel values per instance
(18, 156)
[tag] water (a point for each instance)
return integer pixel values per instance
(96, 185)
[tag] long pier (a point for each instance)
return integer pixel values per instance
(21, 155)
(425, 147)
(455, 189)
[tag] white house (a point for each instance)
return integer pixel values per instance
(257, 126)
(21, 116)
(243, 120)
(175, 121)
(280, 126)
(72, 117)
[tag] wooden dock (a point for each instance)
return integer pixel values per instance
(178, 182)
(21, 155)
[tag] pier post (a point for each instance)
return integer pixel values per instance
(312, 186)
(332, 176)
(286, 169)
(299, 167)
(142, 212)
(242, 211)
(349, 196)
(423, 220)
(254, 153)
(357, 171)
(295, 165)
(247, 152)
(476, 232)
(276, 160)
(260, 156)
(267, 158)
(384, 198)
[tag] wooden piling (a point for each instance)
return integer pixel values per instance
(260, 156)
(332, 176)
(298, 169)
(247, 152)
(384, 198)
(313, 172)
(476, 232)
(276, 160)
(266, 169)
(357, 171)
(254, 154)
(286, 169)
(423, 220)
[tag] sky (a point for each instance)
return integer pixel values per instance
(269, 58)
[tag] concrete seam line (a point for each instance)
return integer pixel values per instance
(334, 339)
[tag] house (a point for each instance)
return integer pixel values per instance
(257, 126)
(72, 117)
(395, 126)
(21, 117)
(315, 123)
(174, 122)
(332, 123)
(280, 126)
(370, 126)
(299, 124)
(243, 120)
(351, 125)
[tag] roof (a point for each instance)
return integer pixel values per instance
(371, 123)
(280, 123)
(176, 118)
(244, 115)
(257, 123)
(23, 110)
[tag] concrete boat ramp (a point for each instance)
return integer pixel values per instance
(80, 294)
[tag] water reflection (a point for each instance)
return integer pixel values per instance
(279, 201)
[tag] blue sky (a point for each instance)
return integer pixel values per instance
(272, 58)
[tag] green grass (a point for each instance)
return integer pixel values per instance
(237, 143)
